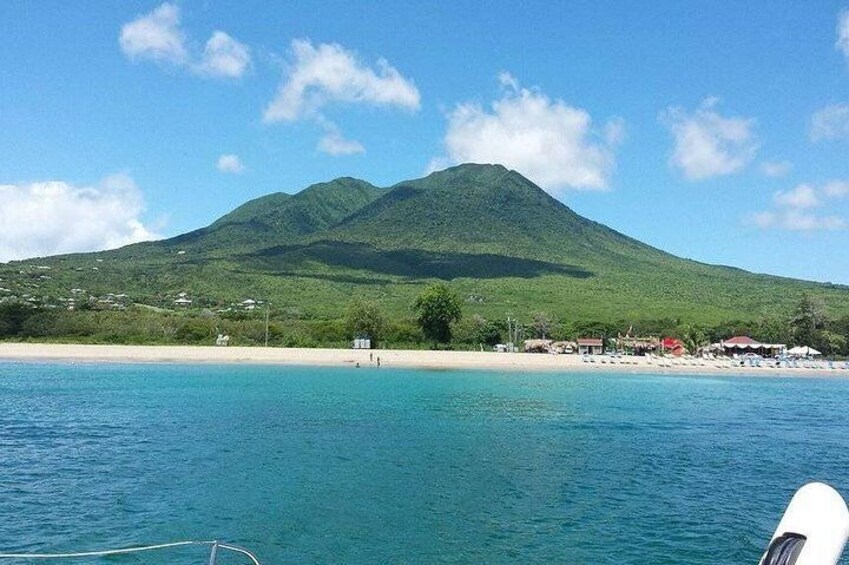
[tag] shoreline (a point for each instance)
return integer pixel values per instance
(390, 358)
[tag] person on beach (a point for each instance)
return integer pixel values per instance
(378, 361)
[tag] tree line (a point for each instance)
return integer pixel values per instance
(436, 320)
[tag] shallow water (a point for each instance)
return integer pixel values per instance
(319, 465)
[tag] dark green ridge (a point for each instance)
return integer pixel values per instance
(315, 208)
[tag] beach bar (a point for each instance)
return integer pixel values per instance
(637, 345)
(739, 345)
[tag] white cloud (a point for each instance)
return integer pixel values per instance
(438, 164)
(776, 169)
(48, 218)
(223, 56)
(614, 131)
(507, 80)
(836, 189)
(708, 144)
(763, 220)
(831, 122)
(803, 196)
(229, 164)
(796, 220)
(843, 33)
(156, 36)
(793, 209)
(550, 142)
(333, 143)
(329, 73)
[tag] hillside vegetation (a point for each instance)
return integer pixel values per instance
(502, 243)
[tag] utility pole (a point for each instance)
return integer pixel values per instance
(267, 305)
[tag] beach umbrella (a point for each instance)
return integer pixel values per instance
(803, 350)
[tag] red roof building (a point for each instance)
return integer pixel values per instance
(673, 346)
(741, 340)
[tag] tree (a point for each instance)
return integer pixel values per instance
(13, 316)
(437, 307)
(364, 319)
(694, 338)
(542, 325)
(772, 330)
(595, 329)
(807, 321)
(40, 323)
(486, 332)
(832, 343)
(168, 327)
(841, 327)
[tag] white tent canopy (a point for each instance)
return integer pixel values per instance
(803, 350)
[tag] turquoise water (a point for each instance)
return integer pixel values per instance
(309, 465)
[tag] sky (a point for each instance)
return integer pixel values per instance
(717, 131)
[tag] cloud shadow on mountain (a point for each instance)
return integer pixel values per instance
(411, 263)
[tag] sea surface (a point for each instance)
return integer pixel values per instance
(323, 465)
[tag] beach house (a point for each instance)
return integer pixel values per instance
(590, 345)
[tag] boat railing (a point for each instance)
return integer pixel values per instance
(214, 545)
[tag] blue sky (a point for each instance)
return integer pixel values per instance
(718, 131)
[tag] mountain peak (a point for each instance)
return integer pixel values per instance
(469, 172)
(477, 168)
(337, 183)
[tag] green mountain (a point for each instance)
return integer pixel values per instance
(276, 218)
(505, 245)
(482, 209)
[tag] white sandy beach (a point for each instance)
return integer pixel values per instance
(437, 360)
